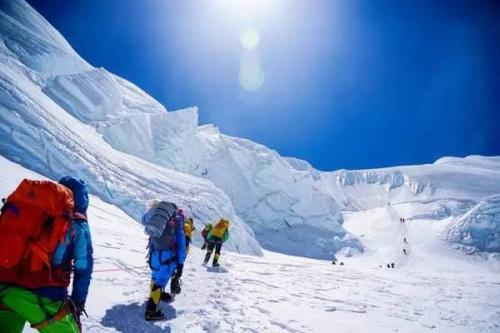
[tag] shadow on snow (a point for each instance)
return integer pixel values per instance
(129, 318)
(217, 270)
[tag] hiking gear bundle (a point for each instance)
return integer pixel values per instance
(161, 224)
(33, 222)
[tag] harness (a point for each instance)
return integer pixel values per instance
(63, 311)
(166, 262)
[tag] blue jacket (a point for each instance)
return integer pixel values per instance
(76, 252)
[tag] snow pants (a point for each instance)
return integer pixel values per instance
(188, 241)
(163, 265)
(216, 243)
(19, 305)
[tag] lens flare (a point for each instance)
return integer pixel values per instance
(249, 38)
(251, 76)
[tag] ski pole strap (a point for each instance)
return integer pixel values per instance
(63, 311)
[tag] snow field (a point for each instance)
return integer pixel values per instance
(276, 292)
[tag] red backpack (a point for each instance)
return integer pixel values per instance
(33, 221)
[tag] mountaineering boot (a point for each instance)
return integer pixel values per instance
(215, 263)
(207, 258)
(167, 297)
(153, 311)
(204, 246)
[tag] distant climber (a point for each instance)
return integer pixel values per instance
(404, 240)
(188, 230)
(164, 223)
(388, 265)
(334, 262)
(341, 263)
(215, 238)
(204, 234)
(405, 252)
(392, 265)
(34, 288)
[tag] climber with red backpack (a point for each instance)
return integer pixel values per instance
(44, 236)
(164, 223)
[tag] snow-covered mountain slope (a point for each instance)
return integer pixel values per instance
(269, 194)
(479, 229)
(61, 115)
(31, 40)
(416, 242)
(461, 179)
(277, 293)
(76, 118)
(37, 132)
(438, 195)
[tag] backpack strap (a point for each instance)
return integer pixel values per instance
(79, 216)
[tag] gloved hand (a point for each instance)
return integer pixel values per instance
(77, 310)
(178, 271)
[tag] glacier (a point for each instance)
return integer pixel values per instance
(36, 131)
(478, 229)
(276, 292)
(59, 115)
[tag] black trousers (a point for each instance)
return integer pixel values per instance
(217, 246)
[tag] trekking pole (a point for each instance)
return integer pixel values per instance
(75, 308)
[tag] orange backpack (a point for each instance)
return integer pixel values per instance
(33, 221)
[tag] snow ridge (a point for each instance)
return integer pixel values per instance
(79, 112)
(479, 229)
(36, 131)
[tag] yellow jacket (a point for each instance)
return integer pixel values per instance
(189, 227)
(220, 229)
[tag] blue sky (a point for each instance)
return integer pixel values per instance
(342, 84)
